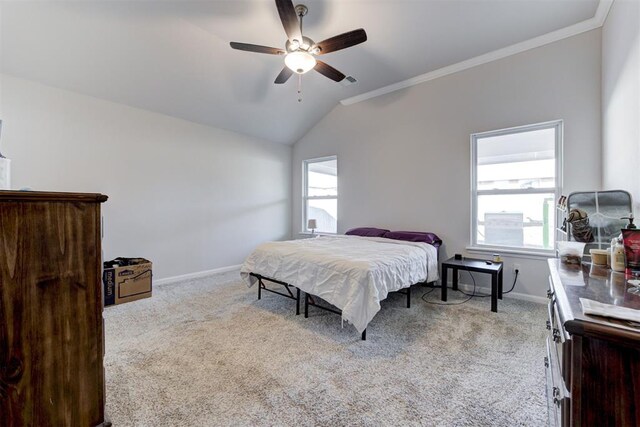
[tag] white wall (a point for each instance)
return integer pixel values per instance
(404, 158)
(188, 197)
(621, 98)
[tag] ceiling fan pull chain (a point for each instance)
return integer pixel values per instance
(299, 87)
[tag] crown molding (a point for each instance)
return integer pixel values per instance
(603, 11)
(573, 30)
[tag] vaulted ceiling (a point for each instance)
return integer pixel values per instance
(173, 57)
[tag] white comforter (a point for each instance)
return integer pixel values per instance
(353, 273)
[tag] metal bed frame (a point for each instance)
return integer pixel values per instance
(309, 299)
(289, 294)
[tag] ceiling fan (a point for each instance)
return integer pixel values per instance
(300, 51)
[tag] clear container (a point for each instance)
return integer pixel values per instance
(571, 252)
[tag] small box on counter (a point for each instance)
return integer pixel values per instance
(126, 279)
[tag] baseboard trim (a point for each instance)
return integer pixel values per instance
(196, 275)
(515, 295)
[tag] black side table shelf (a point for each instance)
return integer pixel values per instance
(477, 266)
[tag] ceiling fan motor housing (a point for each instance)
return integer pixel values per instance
(307, 44)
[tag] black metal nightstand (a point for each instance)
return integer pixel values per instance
(478, 266)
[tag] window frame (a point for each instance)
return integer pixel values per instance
(305, 190)
(558, 125)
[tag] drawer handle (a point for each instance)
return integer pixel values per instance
(556, 397)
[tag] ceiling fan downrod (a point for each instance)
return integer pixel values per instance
(301, 11)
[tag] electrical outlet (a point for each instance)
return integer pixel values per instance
(516, 267)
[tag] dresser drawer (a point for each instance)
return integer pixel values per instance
(554, 325)
(552, 362)
(557, 344)
(554, 410)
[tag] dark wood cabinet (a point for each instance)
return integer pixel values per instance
(51, 326)
(592, 363)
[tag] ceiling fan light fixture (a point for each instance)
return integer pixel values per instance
(300, 62)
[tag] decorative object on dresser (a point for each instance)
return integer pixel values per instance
(51, 327)
(592, 362)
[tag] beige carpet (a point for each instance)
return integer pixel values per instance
(208, 353)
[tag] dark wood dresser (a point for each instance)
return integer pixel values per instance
(51, 327)
(592, 363)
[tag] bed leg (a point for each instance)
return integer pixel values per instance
(306, 305)
(298, 302)
(364, 335)
(409, 297)
(259, 288)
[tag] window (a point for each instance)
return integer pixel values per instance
(321, 194)
(516, 179)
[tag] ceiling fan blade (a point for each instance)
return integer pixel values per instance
(289, 19)
(328, 71)
(283, 76)
(342, 41)
(257, 48)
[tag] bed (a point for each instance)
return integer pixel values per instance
(353, 273)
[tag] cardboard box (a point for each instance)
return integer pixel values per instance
(128, 282)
